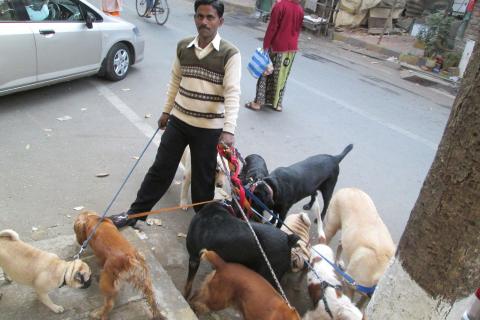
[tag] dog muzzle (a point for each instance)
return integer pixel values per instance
(87, 283)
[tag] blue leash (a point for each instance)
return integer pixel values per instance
(85, 243)
(350, 280)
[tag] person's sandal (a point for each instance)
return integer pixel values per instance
(253, 106)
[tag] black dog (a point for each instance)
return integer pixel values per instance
(214, 228)
(285, 186)
(255, 169)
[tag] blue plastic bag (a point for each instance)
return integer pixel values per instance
(258, 63)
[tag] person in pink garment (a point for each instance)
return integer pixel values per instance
(281, 41)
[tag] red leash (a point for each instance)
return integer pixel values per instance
(230, 154)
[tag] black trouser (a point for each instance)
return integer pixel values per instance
(203, 149)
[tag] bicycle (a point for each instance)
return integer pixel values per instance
(160, 10)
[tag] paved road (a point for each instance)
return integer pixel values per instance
(333, 98)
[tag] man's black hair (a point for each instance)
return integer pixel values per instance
(216, 4)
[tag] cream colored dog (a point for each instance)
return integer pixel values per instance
(299, 223)
(41, 270)
(365, 240)
(221, 182)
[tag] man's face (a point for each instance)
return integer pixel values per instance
(207, 21)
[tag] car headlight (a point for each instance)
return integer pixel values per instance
(136, 31)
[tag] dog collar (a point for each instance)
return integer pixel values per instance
(64, 283)
(324, 285)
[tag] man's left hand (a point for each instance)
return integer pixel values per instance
(227, 138)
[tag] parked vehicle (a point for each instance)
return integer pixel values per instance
(48, 41)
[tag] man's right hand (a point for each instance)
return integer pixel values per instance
(162, 122)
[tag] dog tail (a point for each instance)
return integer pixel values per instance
(211, 256)
(12, 235)
(141, 280)
(344, 152)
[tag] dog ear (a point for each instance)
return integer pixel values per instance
(292, 240)
(79, 227)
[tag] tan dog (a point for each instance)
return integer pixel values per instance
(233, 285)
(300, 224)
(221, 182)
(120, 262)
(366, 243)
(41, 270)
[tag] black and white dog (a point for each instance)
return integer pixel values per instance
(285, 186)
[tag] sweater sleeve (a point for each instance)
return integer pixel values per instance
(272, 28)
(231, 84)
(173, 86)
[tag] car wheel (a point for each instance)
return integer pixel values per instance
(117, 63)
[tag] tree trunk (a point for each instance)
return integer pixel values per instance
(437, 263)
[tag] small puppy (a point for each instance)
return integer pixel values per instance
(233, 285)
(255, 169)
(214, 228)
(221, 181)
(324, 287)
(41, 270)
(120, 262)
(285, 186)
(365, 240)
(300, 224)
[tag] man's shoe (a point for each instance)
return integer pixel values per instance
(121, 220)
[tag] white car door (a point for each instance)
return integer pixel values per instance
(65, 45)
(18, 61)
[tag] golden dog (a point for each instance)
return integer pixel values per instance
(41, 270)
(366, 243)
(233, 285)
(120, 262)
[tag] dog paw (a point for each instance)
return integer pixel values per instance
(57, 309)
(96, 314)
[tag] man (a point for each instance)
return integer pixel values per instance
(281, 41)
(200, 111)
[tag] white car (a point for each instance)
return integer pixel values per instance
(48, 41)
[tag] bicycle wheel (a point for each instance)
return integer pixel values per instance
(141, 7)
(161, 11)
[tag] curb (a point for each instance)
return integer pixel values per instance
(365, 45)
(21, 302)
(235, 7)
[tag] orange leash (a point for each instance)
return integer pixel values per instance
(143, 214)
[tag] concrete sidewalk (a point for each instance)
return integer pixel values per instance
(246, 6)
(21, 302)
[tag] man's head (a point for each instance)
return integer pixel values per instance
(208, 17)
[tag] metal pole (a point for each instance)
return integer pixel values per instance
(386, 22)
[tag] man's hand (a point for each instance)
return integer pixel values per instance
(162, 122)
(227, 138)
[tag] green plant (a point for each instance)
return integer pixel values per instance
(435, 34)
(452, 59)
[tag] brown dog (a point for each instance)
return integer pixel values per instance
(233, 285)
(120, 262)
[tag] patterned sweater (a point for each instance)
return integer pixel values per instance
(204, 89)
